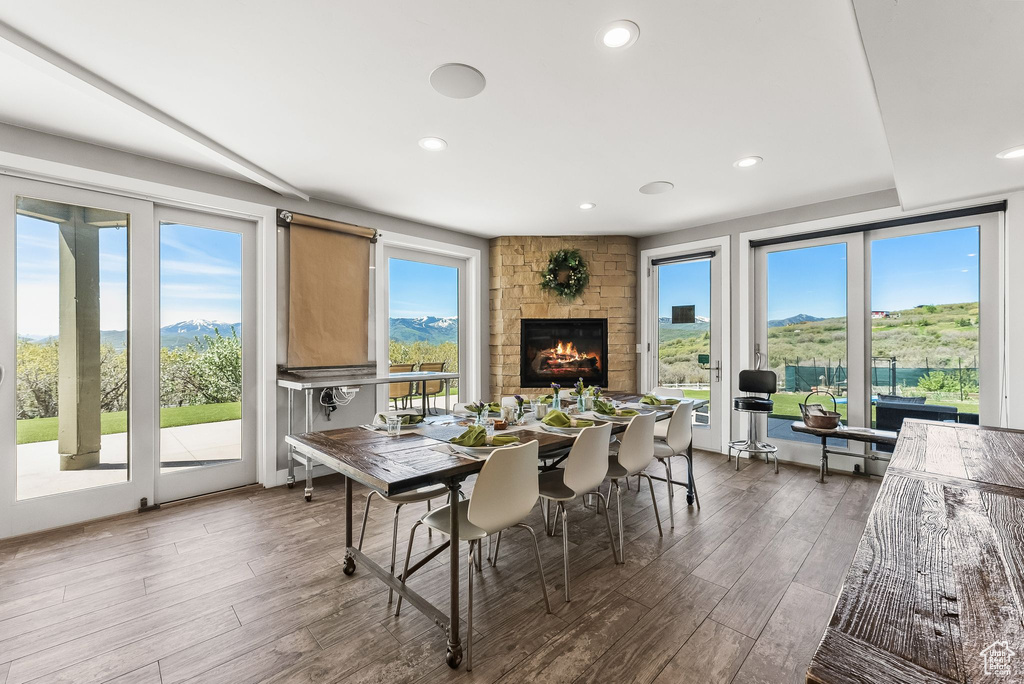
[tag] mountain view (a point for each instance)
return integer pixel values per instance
(793, 320)
(430, 329)
(172, 336)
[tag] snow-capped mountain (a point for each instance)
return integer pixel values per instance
(432, 329)
(184, 332)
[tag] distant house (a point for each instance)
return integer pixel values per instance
(885, 314)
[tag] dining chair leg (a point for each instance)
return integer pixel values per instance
(497, 547)
(479, 557)
(366, 512)
(608, 520)
(474, 548)
(405, 571)
(565, 547)
(654, 502)
(671, 492)
(689, 474)
(540, 565)
(618, 507)
(394, 551)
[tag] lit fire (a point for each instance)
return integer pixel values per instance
(566, 354)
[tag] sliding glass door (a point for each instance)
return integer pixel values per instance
(890, 322)
(688, 354)
(127, 352)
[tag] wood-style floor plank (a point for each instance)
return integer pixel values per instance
(246, 587)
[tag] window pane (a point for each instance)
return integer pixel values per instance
(807, 333)
(684, 348)
(925, 293)
(72, 360)
(200, 347)
(423, 324)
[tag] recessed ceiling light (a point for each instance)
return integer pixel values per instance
(433, 144)
(459, 81)
(656, 187)
(747, 162)
(1012, 153)
(618, 34)
(587, 206)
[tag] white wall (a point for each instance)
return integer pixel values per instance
(38, 155)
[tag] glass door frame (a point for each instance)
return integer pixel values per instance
(721, 312)
(392, 251)
(45, 512)
(856, 371)
(858, 274)
(172, 486)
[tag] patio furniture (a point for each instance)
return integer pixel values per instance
(755, 383)
(889, 415)
(433, 387)
(401, 390)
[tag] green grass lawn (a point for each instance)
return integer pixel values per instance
(45, 429)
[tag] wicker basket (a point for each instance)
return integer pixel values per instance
(815, 416)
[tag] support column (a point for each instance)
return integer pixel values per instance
(78, 385)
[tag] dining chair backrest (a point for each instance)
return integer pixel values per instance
(400, 389)
(673, 392)
(506, 489)
(680, 427)
(587, 463)
(637, 449)
(433, 386)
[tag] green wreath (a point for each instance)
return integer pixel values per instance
(566, 274)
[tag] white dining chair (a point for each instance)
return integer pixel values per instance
(584, 470)
(676, 442)
(505, 493)
(635, 453)
(661, 427)
(424, 494)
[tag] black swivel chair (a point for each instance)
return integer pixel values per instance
(755, 383)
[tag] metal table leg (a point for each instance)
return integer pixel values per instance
(823, 468)
(447, 396)
(350, 561)
(691, 488)
(423, 394)
(291, 449)
(309, 461)
(454, 653)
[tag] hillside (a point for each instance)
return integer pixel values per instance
(171, 336)
(429, 329)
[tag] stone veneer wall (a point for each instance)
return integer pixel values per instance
(515, 293)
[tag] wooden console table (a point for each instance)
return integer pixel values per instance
(936, 589)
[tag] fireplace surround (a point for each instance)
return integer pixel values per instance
(563, 350)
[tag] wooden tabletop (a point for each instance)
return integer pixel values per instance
(392, 465)
(938, 576)
(857, 434)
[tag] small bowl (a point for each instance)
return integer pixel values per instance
(500, 424)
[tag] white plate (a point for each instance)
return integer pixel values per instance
(615, 419)
(378, 425)
(568, 430)
(479, 451)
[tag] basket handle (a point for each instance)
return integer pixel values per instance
(835, 404)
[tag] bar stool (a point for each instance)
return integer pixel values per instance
(755, 382)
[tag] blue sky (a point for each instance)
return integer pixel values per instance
(200, 272)
(682, 284)
(417, 289)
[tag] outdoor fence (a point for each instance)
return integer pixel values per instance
(887, 377)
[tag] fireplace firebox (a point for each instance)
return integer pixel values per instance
(563, 350)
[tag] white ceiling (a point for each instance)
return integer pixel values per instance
(948, 77)
(332, 97)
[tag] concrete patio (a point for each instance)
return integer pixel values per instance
(184, 447)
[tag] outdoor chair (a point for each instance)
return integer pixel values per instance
(433, 387)
(400, 390)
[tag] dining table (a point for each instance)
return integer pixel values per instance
(421, 456)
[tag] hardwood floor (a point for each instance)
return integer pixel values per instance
(246, 586)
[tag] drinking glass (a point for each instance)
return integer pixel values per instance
(394, 426)
(540, 410)
(490, 430)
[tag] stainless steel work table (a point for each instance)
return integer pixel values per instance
(309, 384)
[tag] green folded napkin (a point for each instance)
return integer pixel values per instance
(556, 418)
(406, 419)
(476, 436)
(608, 409)
(546, 399)
(652, 400)
(493, 407)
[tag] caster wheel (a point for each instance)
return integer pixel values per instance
(689, 499)
(454, 657)
(350, 566)
(309, 497)
(291, 485)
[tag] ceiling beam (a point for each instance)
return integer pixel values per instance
(43, 58)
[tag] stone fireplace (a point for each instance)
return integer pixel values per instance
(563, 350)
(515, 294)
